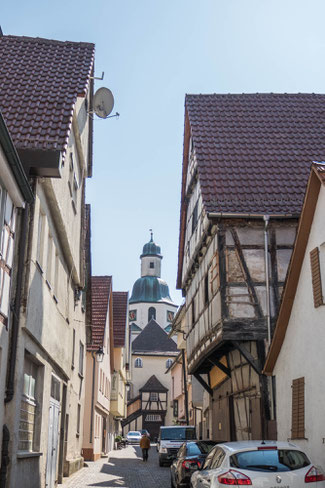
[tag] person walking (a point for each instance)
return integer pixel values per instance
(145, 446)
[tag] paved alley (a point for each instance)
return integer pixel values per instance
(123, 469)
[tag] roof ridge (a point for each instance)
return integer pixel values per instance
(46, 41)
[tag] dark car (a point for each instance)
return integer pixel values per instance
(190, 457)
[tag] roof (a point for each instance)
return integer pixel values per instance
(153, 384)
(153, 339)
(120, 310)
(40, 81)
(100, 291)
(150, 289)
(151, 249)
(316, 180)
(14, 162)
(253, 152)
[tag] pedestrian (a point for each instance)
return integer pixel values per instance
(145, 446)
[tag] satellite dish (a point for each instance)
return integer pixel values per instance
(103, 102)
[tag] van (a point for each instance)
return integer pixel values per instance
(170, 440)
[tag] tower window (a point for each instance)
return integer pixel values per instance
(151, 313)
(152, 264)
(169, 362)
(138, 363)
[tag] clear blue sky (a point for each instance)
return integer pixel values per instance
(153, 52)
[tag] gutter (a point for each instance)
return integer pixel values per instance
(92, 400)
(230, 215)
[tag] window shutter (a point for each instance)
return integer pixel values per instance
(316, 277)
(298, 409)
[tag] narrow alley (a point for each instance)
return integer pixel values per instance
(123, 469)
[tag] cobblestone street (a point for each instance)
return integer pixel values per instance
(123, 469)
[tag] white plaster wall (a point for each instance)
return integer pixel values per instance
(161, 313)
(302, 353)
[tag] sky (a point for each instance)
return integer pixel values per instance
(153, 52)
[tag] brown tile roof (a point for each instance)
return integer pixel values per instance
(254, 151)
(40, 80)
(100, 290)
(120, 310)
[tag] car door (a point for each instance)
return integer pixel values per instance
(212, 468)
(178, 463)
(199, 478)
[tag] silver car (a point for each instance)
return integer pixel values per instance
(259, 464)
(133, 437)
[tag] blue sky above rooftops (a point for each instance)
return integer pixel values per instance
(153, 52)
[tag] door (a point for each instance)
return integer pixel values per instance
(53, 433)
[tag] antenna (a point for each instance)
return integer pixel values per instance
(103, 102)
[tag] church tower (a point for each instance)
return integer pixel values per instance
(150, 297)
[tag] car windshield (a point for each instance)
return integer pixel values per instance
(134, 433)
(177, 434)
(197, 448)
(270, 460)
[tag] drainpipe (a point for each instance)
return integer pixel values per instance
(92, 399)
(267, 278)
(16, 309)
(268, 307)
(185, 387)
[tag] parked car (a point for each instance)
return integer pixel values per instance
(133, 437)
(260, 464)
(145, 432)
(190, 457)
(170, 440)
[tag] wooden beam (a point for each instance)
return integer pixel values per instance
(247, 355)
(221, 366)
(203, 383)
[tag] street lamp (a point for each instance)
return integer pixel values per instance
(99, 355)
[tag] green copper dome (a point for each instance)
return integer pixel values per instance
(151, 249)
(150, 289)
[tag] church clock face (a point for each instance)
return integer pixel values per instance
(132, 315)
(170, 316)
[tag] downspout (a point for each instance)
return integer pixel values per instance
(185, 387)
(16, 310)
(268, 307)
(92, 400)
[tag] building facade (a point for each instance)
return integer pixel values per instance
(237, 232)
(294, 360)
(44, 410)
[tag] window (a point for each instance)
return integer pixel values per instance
(152, 265)
(298, 409)
(194, 217)
(316, 277)
(170, 316)
(49, 259)
(206, 289)
(138, 363)
(169, 362)
(151, 313)
(73, 347)
(153, 396)
(193, 311)
(56, 274)
(73, 184)
(55, 388)
(175, 408)
(81, 358)
(40, 239)
(28, 407)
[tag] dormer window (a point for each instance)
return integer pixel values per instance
(152, 265)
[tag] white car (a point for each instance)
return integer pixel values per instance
(259, 464)
(133, 437)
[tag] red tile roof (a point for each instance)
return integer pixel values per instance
(254, 151)
(40, 80)
(120, 310)
(100, 290)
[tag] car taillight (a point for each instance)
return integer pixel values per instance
(233, 477)
(314, 474)
(189, 463)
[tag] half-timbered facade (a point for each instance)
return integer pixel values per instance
(246, 162)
